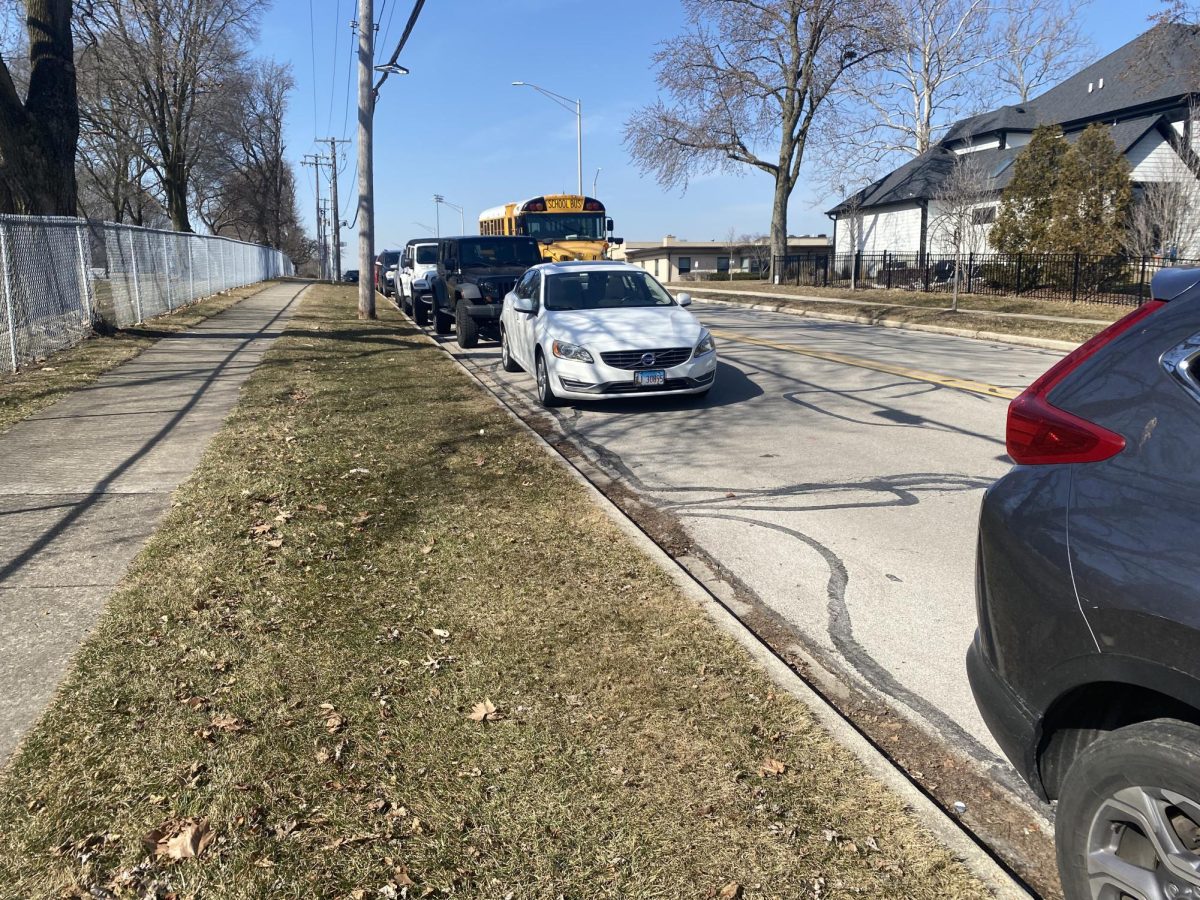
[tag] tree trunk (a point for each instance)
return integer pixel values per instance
(779, 211)
(38, 137)
(175, 187)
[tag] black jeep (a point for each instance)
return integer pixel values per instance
(473, 275)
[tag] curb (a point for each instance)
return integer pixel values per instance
(928, 814)
(995, 337)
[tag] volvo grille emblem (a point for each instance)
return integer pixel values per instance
(648, 359)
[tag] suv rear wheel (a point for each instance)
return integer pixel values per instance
(467, 330)
(1128, 820)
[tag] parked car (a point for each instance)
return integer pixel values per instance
(473, 274)
(351, 276)
(385, 271)
(1086, 662)
(418, 262)
(595, 330)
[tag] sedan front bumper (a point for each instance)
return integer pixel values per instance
(597, 381)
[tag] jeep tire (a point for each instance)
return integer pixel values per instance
(466, 329)
(420, 315)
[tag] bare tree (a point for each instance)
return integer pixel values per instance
(243, 183)
(169, 60)
(1165, 217)
(953, 59)
(746, 82)
(1040, 44)
(759, 248)
(38, 134)
(957, 203)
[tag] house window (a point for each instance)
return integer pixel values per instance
(723, 264)
(685, 265)
(985, 215)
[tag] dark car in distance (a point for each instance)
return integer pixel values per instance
(385, 264)
(473, 275)
(351, 276)
(1086, 661)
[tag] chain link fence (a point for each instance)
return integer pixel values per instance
(62, 277)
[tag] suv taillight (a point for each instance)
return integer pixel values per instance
(1041, 434)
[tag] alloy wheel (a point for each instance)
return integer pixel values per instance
(1143, 844)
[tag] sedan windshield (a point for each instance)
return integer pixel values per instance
(604, 290)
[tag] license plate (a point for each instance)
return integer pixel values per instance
(650, 378)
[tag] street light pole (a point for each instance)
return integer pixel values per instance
(565, 103)
(439, 200)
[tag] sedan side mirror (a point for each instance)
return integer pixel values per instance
(522, 304)
(684, 299)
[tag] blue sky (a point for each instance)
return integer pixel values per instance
(457, 127)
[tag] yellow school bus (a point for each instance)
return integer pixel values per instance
(567, 226)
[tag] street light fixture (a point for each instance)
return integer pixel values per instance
(565, 103)
(391, 69)
(440, 201)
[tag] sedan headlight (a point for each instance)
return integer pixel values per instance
(563, 350)
(706, 345)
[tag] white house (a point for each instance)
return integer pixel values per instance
(1146, 92)
(673, 259)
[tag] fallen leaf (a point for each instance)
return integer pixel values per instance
(439, 632)
(427, 549)
(196, 702)
(180, 839)
(275, 544)
(729, 495)
(261, 528)
(485, 712)
(772, 768)
(731, 891)
(226, 722)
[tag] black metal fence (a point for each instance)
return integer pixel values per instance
(1074, 277)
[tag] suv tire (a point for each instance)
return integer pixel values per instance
(420, 315)
(442, 322)
(1152, 768)
(466, 329)
(545, 390)
(406, 305)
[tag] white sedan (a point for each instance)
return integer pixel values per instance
(602, 330)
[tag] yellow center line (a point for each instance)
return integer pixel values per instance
(958, 384)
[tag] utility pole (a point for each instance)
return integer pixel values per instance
(366, 173)
(316, 160)
(337, 210)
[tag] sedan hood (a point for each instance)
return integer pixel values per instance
(642, 328)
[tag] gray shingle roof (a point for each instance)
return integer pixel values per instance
(1160, 67)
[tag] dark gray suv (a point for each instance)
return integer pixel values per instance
(473, 275)
(1086, 662)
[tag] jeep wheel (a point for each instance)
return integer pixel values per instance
(545, 392)
(467, 331)
(507, 363)
(1128, 820)
(406, 305)
(420, 315)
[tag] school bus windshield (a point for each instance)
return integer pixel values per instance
(564, 226)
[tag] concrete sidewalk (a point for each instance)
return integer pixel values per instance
(85, 482)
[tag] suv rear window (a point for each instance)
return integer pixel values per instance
(499, 252)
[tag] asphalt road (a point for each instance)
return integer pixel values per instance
(836, 471)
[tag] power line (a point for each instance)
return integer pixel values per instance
(412, 21)
(312, 43)
(349, 78)
(337, 17)
(387, 29)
